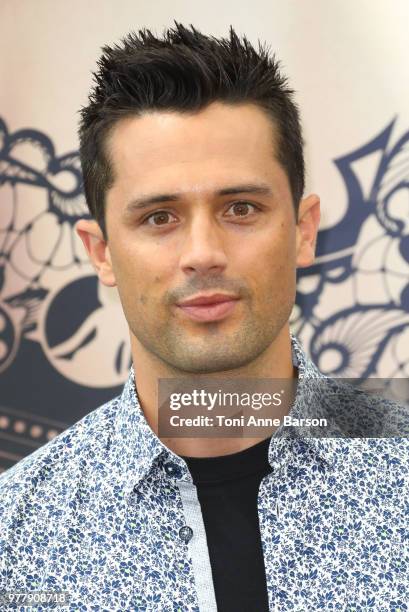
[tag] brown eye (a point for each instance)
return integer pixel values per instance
(161, 218)
(241, 209)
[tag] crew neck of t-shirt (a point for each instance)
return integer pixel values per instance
(208, 470)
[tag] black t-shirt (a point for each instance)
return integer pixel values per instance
(227, 489)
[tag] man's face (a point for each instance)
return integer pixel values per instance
(198, 240)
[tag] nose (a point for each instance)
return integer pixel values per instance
(203, 244)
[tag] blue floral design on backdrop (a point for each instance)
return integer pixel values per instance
(351, 312)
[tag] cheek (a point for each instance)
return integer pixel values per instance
(130, 272)
(274, 252)
(272, 268)
(142, 275)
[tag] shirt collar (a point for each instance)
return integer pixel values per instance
(135, 447)
(313, 396)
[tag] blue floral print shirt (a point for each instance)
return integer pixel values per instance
(107, 514)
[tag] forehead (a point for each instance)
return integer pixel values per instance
(221, 136)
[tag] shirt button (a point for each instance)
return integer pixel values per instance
(172, 469)
(186, 533)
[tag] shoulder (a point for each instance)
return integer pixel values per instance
(365, 412)
(58, 463)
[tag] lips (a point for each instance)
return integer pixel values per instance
(204, 300)
(209, 308)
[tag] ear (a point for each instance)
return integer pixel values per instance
(306, 230)
(97, 248)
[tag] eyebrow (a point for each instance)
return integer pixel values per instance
(145, 201)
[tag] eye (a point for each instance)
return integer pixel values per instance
(160, 215)
(241, 208)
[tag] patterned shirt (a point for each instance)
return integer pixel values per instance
(106, 513)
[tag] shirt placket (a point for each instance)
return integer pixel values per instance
(193, 535)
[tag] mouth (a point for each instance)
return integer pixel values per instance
(211, 311)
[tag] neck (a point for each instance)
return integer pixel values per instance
(275, 362)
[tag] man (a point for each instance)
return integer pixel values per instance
(192, 158)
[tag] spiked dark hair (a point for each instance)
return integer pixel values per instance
(183, 71)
